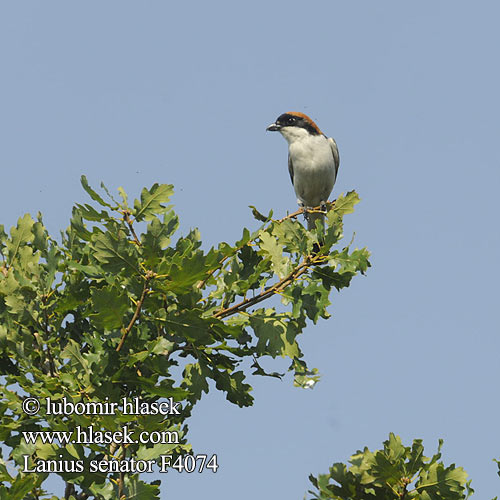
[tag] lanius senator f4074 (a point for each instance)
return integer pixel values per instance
(313, 161)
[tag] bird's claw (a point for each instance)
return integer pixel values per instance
(306, 212)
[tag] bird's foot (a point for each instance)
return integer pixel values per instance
(304, 209)
(306, 212)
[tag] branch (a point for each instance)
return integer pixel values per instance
(69, 490)
(318, 209)
(147, 279)
(120, 486)
(129, 222)
(52, 366)
(282, 284)
(121, 480)
(293, 215)
(277, 287)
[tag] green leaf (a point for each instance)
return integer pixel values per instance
(184, 272)
(92, 193)
(22, 485)
(388, 474)
(102, 490)
(40, 236)
(152, 201)
(274, 250)
(64, 304)
(20, 236)
(136, 489)
(276, 335)
(236, 390)
(306, 379)
(155, 451)
(160, 346)
(394, 449)
(195, 378)
(330, 278)
(345, 204)
(77, 227)
(261, 217)
(384, 470)
(89, 271)
(293, 236)
(124, 196)
(88, 212)
(437, 479)
(192, 326)
(114, 254)
(72, 352)
(498, 465)
(357, 260)
(416, 459)
(157, 236)
(3, 234)
(110, 305)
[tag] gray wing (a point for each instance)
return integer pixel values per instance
(290, 168)
(336, 156)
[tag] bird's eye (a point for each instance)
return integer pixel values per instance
(290, 120)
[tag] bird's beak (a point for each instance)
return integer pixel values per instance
(273, 127)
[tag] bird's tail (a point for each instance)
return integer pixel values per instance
(312, 218)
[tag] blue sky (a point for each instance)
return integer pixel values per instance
(132, 93)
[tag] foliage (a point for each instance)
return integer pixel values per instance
(395, 472)
(118, 309)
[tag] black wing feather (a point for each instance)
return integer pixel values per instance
(335, 152)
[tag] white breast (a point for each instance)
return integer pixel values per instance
(313, 168)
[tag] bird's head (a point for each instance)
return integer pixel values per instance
(294, 126)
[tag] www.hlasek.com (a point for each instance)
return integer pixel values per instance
(89, 435)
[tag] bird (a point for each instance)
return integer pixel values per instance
(313, 161)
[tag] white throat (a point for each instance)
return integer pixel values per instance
(294, 134)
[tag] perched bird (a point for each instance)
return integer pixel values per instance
(313, 161)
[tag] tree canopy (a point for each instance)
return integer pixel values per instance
(119, 306)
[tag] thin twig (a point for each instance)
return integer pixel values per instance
(69, 490)
(280, 285)
(293, 215)
(52, 366)
(277, 287)
(147, 279)
(121, 480)
(129, 222)
(120, 486)
(318, 209)
(201, 284)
